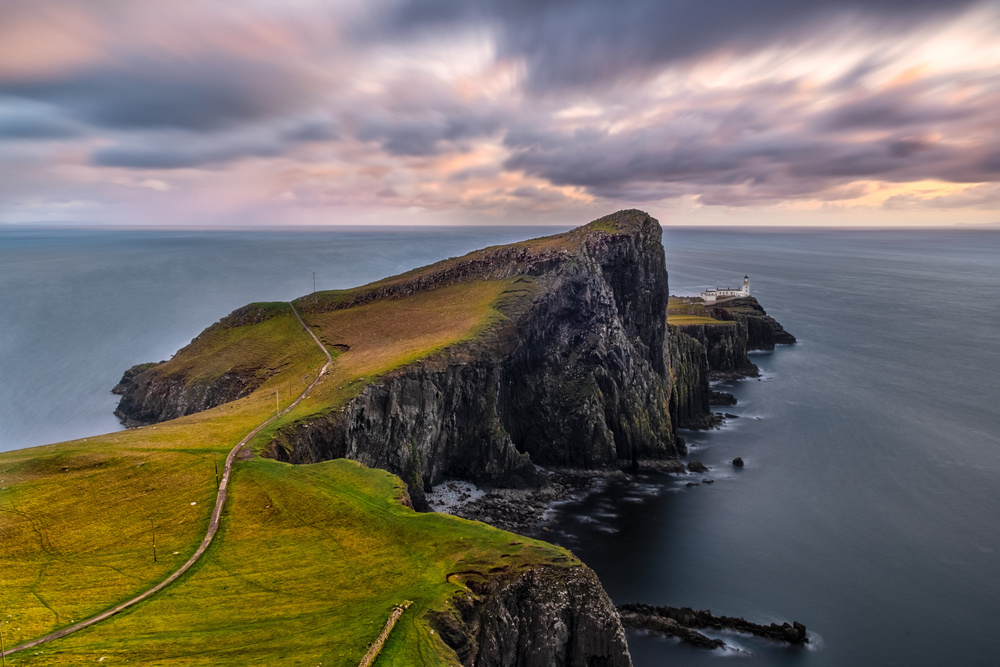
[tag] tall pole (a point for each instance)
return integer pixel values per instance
(314, 282)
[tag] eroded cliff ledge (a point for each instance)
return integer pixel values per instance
(711, 341)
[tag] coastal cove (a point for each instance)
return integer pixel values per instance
(867, 496)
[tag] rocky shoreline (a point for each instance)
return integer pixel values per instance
(527, 511)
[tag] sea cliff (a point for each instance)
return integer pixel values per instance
(573, 373)
(540, 616)
(710, 342)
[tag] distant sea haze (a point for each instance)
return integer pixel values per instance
(868, 506)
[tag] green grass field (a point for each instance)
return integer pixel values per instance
(307, 566)
(687, 310)
(681, 320)
(309, 559)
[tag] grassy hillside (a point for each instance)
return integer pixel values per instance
(309, 559)
(689, 310)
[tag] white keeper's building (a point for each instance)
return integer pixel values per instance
(717, 293)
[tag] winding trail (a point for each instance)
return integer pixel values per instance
(213, 525)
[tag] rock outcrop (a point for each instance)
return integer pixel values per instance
(539, 617)
(155, 392)
(763, 332)
(682, 621)
(148, 397)
(577, 376)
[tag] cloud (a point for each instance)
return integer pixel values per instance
(765, 164)
(175, 149)
(892, 109)
(425, 134)
(490, 105)
(985, 197)
(168, 153)
(143, 93)
(589, 42)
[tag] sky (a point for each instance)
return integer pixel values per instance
(306, 112)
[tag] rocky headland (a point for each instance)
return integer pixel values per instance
(576, 374)
(578, 377)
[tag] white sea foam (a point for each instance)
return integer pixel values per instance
(452, 494)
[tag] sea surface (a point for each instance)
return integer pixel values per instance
(869, 507)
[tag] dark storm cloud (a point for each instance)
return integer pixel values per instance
(425, 133)
(655, 163)
(313, 130)
(178, 157)
(140, 93)
(178, 150)
(894, 108)
(583, 42)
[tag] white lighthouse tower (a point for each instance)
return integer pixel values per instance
(746, 286)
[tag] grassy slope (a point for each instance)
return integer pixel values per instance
(311, 559)
(309, 576)
(684, 311)
(76, 519)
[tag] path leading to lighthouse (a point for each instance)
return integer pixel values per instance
(213, 525)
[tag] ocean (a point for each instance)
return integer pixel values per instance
(869, 506)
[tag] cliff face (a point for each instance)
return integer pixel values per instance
(725, 347)
(148, 397)
(690, 406)
(542, 617)
(156, 392)
(577, 376)
(711, 341)
(762, 330)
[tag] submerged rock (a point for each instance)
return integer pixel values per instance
(722, 398)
